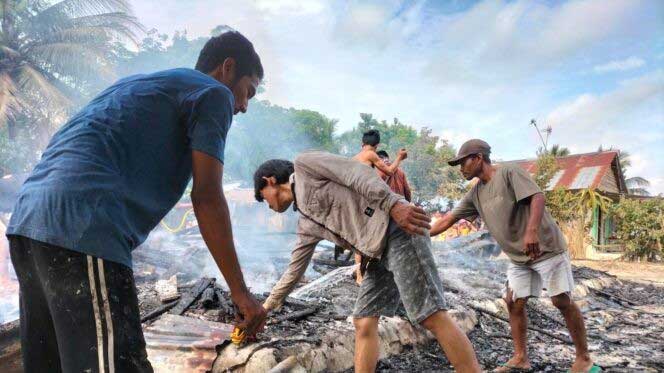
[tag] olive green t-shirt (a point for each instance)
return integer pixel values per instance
(503, 205)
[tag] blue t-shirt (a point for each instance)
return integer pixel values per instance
(118, 166)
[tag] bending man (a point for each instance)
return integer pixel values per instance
(343, 201)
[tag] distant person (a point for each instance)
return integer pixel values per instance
(512, 207)
(397, 181)
(369, 157)
(106, 179)
(342, 201)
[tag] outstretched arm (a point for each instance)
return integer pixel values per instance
(214, 222)
(443, 224)
(300, 258)
(388, 170)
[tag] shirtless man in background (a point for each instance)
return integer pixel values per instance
(369, 157)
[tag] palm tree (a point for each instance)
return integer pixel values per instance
(559, 151)
(50, 52)
(637, 186)
(589, 199)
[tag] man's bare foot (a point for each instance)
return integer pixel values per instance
(515, 363)
(582, 364)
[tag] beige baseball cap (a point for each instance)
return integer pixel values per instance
(470, 147)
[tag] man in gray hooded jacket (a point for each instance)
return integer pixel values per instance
(345, 202)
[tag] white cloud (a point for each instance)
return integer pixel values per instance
(629, 118)
(608, 110)
(504, 41)
(656, 185)
(620, 65)
(377, 25)
(481, 72)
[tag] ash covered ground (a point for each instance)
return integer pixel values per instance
(622, 338)
(625, 321)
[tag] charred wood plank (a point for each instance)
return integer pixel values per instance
(533, 328)
(546, 316)
(158, 311)
(190, 297)
(614, 297)
(499, 335)
(208, 297)
(225, 304)
(294, 316)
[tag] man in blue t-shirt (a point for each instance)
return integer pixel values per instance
(106, 179)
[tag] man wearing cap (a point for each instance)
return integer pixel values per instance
(512, 207)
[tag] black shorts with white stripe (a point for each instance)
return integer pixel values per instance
(78, 313)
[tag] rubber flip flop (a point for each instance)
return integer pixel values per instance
(515, 369)
(593, 369)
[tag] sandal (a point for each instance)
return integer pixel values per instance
(593, 369)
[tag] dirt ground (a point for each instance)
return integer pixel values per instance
(632, 271)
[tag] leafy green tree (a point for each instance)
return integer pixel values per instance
(426, 167)
(546, 169)
(316, 128)
(562, 204)
(53, 56)
(161, 52)
(559, 151)
(640, 226)
(269, 131)
(50, 53)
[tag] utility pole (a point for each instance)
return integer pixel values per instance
(547, 130)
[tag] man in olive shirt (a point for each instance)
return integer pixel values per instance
(512, 207)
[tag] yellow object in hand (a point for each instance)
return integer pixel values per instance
(237, 337)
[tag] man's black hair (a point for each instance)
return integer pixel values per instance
(383, 154)
(486, 158)
(371, 137)
(279, 168)
(234, 45)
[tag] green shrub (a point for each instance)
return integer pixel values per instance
(640, 227)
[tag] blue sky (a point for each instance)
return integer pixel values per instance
(591, 69)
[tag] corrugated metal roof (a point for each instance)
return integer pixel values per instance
(580, 171)
(184, 344)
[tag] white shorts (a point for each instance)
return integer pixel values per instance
(553, 274)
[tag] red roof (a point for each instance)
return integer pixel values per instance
(580, 171)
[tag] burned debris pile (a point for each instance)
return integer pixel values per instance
(622, 337)
(624, 319)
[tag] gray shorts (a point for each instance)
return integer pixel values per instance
(406, 271)
(553, 274)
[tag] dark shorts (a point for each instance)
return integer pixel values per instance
(407, 272)
(78, 313)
